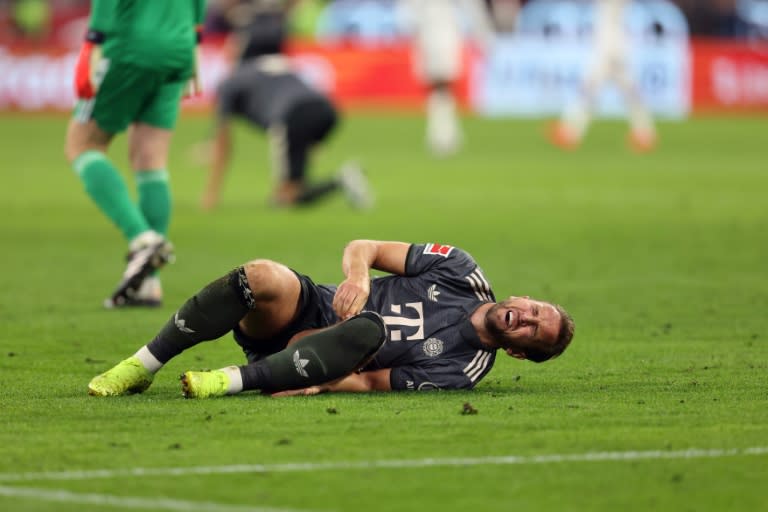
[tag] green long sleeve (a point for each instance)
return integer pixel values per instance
(103, 15)
(199, 12)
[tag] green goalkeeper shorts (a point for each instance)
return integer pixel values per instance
(130, 94)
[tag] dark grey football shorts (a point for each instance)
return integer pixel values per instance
(315, 311)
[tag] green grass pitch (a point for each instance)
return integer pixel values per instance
(661, 402)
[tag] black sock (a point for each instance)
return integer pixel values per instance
(317, 191)
(209, 315)
(319, 357)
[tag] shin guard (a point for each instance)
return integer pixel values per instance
(320, 357)
(210, 314)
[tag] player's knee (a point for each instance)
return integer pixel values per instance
(266, 275)
(70, 152)
(73, 148)
(146, 157)
(82, 137)
(148, 146)
(73, 151)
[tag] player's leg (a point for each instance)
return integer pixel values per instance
(287, 339)
(438, 47)
(120, 97)
(94, 122)
(313, 123)
(262, 296)
(284, 191)
(85, 147)
(642, 134)
(148, 153)
(316, 358)
(577, 116)
(306, 124)
(149, 142)
(355, 185)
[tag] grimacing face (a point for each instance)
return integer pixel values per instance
(520, 322)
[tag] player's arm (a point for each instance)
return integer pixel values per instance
(102, 17)
(364, 382)
(199, 12)
(360, 256)
(221, 152)
(220, 149)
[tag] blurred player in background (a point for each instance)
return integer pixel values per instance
(438, 28)
(135, 65)
(610, 64)
(266, 92)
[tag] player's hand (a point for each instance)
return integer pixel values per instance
(89, 70)
(312, 390)
(351, 296)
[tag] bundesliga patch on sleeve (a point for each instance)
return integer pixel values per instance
(438, 249)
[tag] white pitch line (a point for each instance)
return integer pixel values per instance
(691, 453)
(134, 502)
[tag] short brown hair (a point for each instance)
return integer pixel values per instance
(564, 336)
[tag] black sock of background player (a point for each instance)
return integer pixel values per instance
(208, 315)
(319, 357)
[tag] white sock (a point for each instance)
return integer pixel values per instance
(144, 239)
(235, 379)
(640, 119)
(149, 361)
(577, 118)
(443, 131)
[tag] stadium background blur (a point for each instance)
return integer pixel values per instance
(42, 19)
(706, 57)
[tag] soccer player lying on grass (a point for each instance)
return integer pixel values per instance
(434, 323)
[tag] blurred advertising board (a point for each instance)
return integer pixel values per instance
(730, 76)
(354, 75)
(521, 76)
(539, 68)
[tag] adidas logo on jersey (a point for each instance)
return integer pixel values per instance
(432, 293)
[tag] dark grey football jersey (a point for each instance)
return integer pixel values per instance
(431, 342)
(263, 91)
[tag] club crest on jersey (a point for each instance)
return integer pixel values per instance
(438, 249)
(433, 347)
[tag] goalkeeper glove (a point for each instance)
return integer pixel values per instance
(194, 85)
(90, 68)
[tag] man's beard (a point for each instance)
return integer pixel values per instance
(496, 332)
